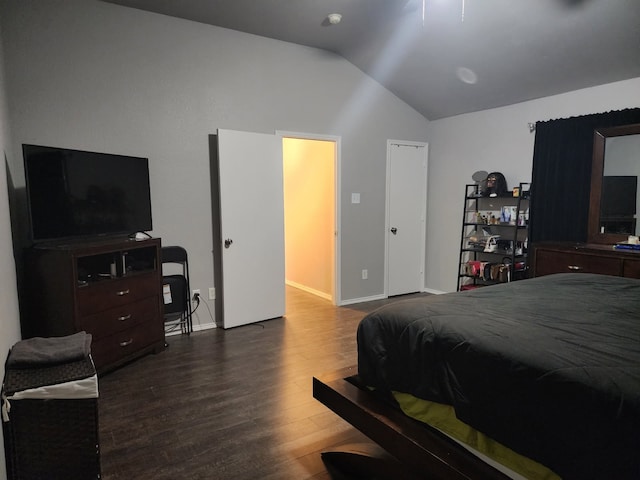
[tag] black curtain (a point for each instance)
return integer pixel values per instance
(561, 177)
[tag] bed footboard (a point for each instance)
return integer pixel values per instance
(420, 450)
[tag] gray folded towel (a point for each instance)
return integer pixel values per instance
(41, 352)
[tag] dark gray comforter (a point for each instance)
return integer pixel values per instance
(548, 366)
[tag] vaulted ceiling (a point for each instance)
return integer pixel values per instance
(448, 57)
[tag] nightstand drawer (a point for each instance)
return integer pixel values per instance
(113, 293)
(121, 317)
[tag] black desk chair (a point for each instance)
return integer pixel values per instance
(178, 312)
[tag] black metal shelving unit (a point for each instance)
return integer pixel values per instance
(494, 238)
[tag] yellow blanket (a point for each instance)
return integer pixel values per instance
(444, 419)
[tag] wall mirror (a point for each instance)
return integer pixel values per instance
(614, 206)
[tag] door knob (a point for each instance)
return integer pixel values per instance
(394, 230)
(227, 243)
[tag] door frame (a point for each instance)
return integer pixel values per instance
(423, 240)
(337, 298)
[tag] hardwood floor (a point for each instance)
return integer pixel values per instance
(232, 404)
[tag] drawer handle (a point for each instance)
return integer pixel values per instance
(126, 343)
(122, 293)
(574, 267)
(124, 317)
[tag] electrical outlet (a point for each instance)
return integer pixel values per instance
(195, 293)
(365, 274)
(212, 293)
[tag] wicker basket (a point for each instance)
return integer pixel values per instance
(51, 438)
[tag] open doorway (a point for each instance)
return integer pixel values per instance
(310, 166)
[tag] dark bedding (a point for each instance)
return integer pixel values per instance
(550, 366)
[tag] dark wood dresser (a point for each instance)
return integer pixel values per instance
(562, 257)
(111, 289)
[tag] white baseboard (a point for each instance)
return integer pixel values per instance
(435, 292)
(304, 288)
(204, 326)
(351, 301)
(196, 328)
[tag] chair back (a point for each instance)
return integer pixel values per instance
(173, 254)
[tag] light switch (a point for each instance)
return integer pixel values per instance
(355, 198)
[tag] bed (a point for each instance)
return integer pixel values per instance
(547, 367)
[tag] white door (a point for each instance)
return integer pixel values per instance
(406, 216)
(252, 227)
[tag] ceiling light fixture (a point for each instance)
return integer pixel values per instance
(467, 75)
(334, 18)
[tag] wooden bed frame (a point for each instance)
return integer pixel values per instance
(416, 450)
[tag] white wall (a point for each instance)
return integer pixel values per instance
(494, 140)
(91, 75)
(9, 319)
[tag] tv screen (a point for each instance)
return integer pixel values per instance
(73, 193)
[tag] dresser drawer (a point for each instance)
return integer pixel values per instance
(121, 317)
(550, 261)
(120, 345)
(113, 293)
(631, 268)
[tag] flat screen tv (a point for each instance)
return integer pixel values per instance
(78, 194)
